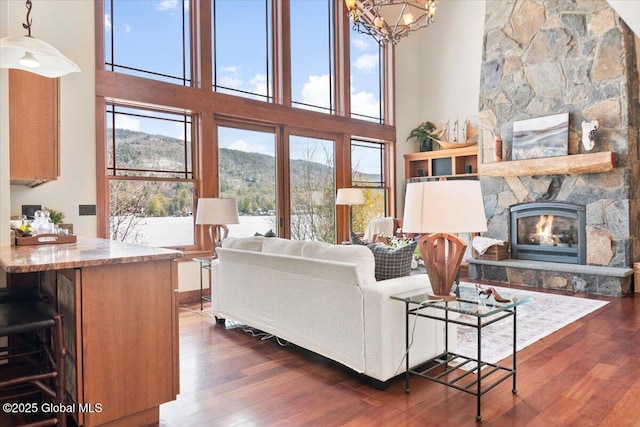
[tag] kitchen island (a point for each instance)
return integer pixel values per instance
(121, 323)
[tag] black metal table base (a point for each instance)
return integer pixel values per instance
(473, 376)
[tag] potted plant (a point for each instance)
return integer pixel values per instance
(55, 216)
(424, 133)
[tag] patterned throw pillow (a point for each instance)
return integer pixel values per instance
(392, 262)
(355, 239)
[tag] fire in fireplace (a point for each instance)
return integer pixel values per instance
(548, 231)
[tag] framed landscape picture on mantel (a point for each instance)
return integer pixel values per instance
(541, 137)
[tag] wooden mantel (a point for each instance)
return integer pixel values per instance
(561, 165)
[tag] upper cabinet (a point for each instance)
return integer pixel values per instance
(33, 128)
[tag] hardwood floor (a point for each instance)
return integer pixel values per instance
(586, 374)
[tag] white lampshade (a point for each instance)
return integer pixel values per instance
(35, 56)
(350, 196)
(444, 207)
(217, 211)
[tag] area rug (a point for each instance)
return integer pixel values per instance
(542, 315)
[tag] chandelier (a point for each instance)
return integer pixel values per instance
(388, 21)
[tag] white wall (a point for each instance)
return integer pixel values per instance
(629, 11)
(68, 25)
(438, 75)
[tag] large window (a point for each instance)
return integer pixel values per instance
(236, 98)
(312, 56)
(133, 31)
(151, 186)
(242, 48)
(368, 173)
(366, 82)
(312, 189)
(247, 170)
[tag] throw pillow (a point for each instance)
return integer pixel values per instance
(355, 240)
(392, 262)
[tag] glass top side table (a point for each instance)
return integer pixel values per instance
(471, 375)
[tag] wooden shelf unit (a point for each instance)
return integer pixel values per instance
(449, 164)
(561, 165)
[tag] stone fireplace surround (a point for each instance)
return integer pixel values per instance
(546, 57)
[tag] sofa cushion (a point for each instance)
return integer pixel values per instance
(354, 254)
(278, 245)
(253, 243)
(392, 262)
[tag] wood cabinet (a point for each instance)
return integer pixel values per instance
(121, 324)
(33, 128)
(457, 163)
(121, 338)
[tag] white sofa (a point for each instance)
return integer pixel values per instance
(324, 298)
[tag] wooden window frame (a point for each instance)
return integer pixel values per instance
(208, 106)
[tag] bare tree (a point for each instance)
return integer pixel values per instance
(313, 196)
(127, 201)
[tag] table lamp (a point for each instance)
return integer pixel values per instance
(436, 209)
(350, 196)
(217, 213)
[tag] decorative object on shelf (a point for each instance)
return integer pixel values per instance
(350, 197)
(217, 214)
(456, 138)
(388, 21)
(440, 208)
(497, 149)
(425, 134)
(541, 137)
(589, 134)
(30, 54)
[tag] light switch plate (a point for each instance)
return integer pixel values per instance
(84, 210)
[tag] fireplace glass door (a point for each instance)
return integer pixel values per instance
(548, 231)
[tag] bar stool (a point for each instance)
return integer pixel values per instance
(20, 294)
(32, 326)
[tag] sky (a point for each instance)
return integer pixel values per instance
(241, 61)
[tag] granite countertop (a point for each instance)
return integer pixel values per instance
(85, 252)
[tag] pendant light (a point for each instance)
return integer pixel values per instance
(31, 54)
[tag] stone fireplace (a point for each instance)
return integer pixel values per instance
(549, 57)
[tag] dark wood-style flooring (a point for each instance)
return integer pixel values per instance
(586, 374)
